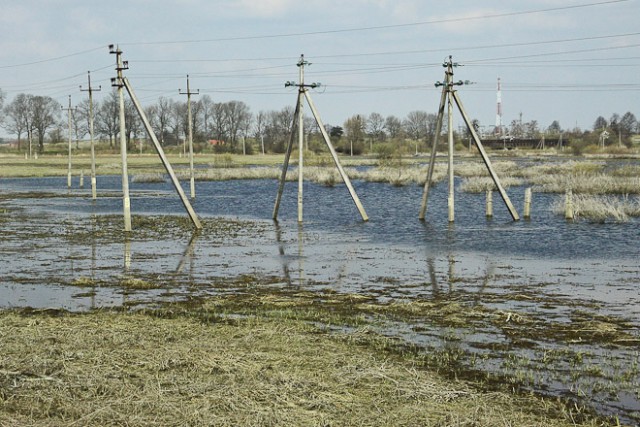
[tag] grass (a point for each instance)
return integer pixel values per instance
(600, 208)
(205, 366)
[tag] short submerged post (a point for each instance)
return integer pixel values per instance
(568, 206)
(527, 203)
(489, 203)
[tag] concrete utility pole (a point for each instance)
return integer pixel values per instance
(298, 120)
(301, 65)
(192, 178)
(448, 91)
(69, 110)
(118, 82)
(93, 150)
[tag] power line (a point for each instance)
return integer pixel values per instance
(395, 52)
(57, 58)
(382, 27)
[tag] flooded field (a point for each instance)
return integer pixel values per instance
(543, 304)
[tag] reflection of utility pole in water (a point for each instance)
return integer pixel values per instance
(127, 266)
(489, 274)
(301, 254)
(127, 254)
(452, 272)
(433, 277)
(188, 254)
(285, 263)
(93, 259)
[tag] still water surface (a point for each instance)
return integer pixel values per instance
(575, 265)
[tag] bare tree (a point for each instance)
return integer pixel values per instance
(160, 116)
(205, 106)
(132, 122)
(416, 124)
(355, 128)
(178, 119)
(80, 120)
(393, 126)
(46, 112)
(218, 122)
(1, 106)
(628, 124)
(600, 124)
(375, 126)
(237, 115)
(278, 126)
(106, 121)
(19, 117)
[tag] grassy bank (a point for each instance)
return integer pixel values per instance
(207, 365)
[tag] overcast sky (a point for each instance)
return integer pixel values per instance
(566, 60)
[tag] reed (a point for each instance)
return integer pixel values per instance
(148, 178)
(600, 208)
(485, 183)
(582, 183)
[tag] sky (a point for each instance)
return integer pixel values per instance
(565, 60)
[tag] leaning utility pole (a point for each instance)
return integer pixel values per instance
(298, 121)
(93, 150)
(190, 137)
(449, 94)
(118, 82)
(69, 110)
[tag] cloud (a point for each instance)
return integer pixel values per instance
(263, 8)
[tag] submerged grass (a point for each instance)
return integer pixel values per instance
(600, 208)
(201, 366)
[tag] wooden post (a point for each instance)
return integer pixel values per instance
(489, 203)
(527, 203)
(568, 206)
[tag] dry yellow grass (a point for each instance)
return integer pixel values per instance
(197, 368)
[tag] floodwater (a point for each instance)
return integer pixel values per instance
(545, 268)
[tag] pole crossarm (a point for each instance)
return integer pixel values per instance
(448, 98)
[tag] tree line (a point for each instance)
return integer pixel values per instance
(37, 119)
